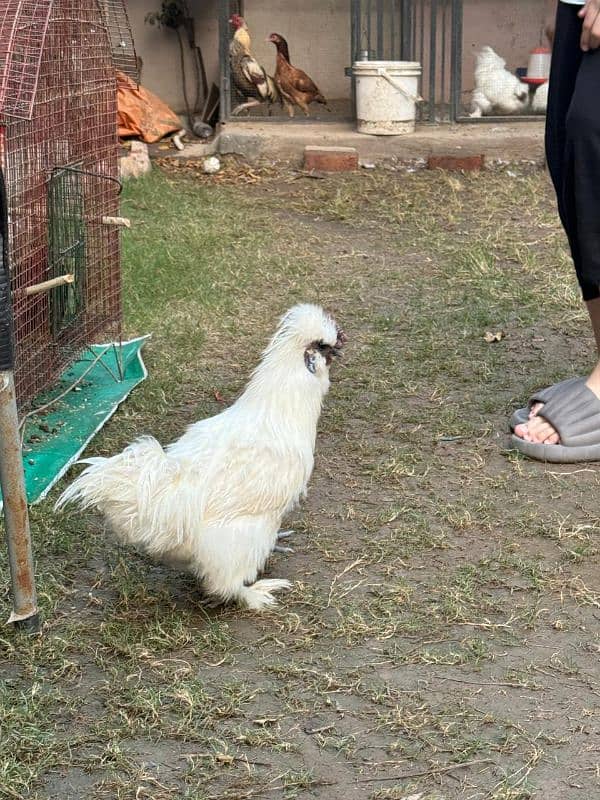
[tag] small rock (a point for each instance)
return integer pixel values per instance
(211, 165)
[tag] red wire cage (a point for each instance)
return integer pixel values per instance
(59, 155)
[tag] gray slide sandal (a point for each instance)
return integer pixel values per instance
(574, 411)
(542, 396)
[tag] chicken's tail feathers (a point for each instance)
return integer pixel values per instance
(320, 99)
(108, 479)
(272, 92)
(77, 489)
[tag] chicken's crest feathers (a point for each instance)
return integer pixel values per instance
(303, 324)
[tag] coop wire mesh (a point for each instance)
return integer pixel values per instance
(59, 152)
(501, 71)
(120, 36)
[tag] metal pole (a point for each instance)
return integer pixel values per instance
(432, 58)
(443, 56)
(456, 60)
(18, 537)
(224, 72)
(379, 12)
(355, 48)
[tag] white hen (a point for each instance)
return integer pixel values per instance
(212, 502)
(497, 91)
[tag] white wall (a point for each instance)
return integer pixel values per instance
(158, 47)
(318, 36)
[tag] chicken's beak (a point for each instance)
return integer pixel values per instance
(341, 341)
(336, 350)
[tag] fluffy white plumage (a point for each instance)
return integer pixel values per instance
(212, 502)
(540, 99)
(496, 89)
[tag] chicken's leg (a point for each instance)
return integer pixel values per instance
(279, 548)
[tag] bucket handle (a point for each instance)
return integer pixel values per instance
(383, 73)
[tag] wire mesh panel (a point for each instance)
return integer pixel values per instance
(66, 247)
(317, 36)
(501, 61)
(56, 223)
(120, 36)
(23, 25)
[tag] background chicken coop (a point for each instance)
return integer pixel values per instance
(59, 157)
(327, 38)
(337, 34)
(512, 32)
(443, 35)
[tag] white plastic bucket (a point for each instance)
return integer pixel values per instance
(387, 93)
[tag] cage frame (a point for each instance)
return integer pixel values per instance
(34, 149)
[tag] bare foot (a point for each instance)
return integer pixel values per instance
(537, 429)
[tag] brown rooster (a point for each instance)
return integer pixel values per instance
(294, 85)
(250, 79)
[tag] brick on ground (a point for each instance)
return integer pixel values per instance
(330, 159)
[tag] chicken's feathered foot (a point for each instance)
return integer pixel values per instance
(279, 548)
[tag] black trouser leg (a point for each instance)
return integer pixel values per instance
(573, 145)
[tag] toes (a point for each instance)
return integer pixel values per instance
(535, 409)
(522, 432)
(542, 433)
(554, 438)
(537, 430)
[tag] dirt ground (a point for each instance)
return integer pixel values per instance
(441, 639)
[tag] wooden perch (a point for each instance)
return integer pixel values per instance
(123, 222)
(45, 286)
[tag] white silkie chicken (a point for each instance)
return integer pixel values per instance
(497, 91)
(211, 503)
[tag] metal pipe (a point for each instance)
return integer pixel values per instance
(356, 46)
(406, 31)
(225, 81)
(443, 55)
(432, 58)
(456, 60)
(18, 537)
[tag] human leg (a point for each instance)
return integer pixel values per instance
(573, 154)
